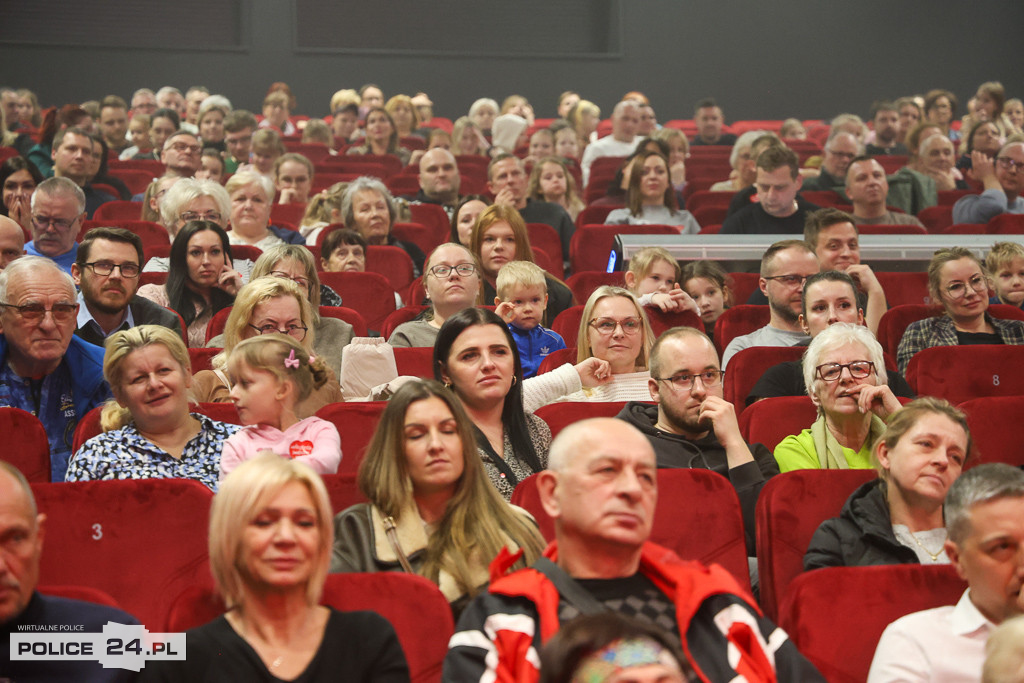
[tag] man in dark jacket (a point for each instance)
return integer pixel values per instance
(692, 425)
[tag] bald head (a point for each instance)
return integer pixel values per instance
(582, 438)
(625, 120)
(439, 176)
(12, 241)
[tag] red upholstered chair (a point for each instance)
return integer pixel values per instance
(415, 361)
(868, 599)
(966, 229)
(342, 490)
(420, 235)
(891, 229)
(221, 412)
(88, 426)
(435, 218)
(738, 321)
(747, 366)
(771, 420)
(349, 315)
(594, 215)
(401, 185)
(93, 595)
(710, 214)
(936, 218)
(415, 607)
(791, 507)
(417, 294)
(742, 285)
(959, 374)
(544, 236)
(245, 251)
(200, 358)
(370, 294)
(895, 321)
(402, 315)
(391, 262)
(591, 244)
(26, 446)
(391, 164)
(217, 323)
(584, 283)
(561, 415)
(153, 278)
(994, 422)
(703, 198)
(136, 180)
(662, 321)
(143, 542)
(949, 198)
(153, 167)
(558, 358)
(905, 288)
(356, 423)
(119, 210)
(1006, 224)
(549, 264)
(289, 213)
(698, 516)
(567, 324)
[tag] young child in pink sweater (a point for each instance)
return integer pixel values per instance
(270, 374)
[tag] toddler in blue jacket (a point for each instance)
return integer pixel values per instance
(521, 301)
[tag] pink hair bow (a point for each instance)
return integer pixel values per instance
(291, 361)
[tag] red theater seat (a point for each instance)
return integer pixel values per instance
(771, 420)
(747, 367)
(958, 373)
(994, 423)
(26, 446)
(560, 415)
(356, 422)
(738, 321)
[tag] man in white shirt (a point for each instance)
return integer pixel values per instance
(622, 141)
(784, 268)
(985, 525)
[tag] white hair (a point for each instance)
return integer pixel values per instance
(836, 336)
(34, 263)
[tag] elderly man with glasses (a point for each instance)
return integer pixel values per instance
(44, 368)
(58, 209)
(107, 273)
(692, 425)
(1003, 180)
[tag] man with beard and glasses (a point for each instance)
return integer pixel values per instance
(106, 271)
(784, 267)
(692, 425)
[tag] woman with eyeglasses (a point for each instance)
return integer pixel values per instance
(897, 518)
(614, 345)
(452, 281)
(201, 279)
(264, 306)
(958, 280)
(295, 262)
(845, 375)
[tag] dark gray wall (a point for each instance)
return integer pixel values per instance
(805, 58)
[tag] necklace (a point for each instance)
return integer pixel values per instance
(934, 556)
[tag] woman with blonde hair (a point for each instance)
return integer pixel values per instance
(264, 306)
(550, 181)
(323, 209)
(432, 510)
(270, 544)
(404, 114)
(467, 138)
(148, 431)
(584, 117)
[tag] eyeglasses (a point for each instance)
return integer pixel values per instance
(34, 312)
(790, 279)
(463, 269)
(298, 279)
(958, 290)
(1011, 164)
(43, 222)
(182, 147)
(188, 216)
(104, 268)
(684, 382)
(606, 326)
(831, 372)
(297, 332)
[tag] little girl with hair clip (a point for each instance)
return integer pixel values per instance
(270, 375)
(653, 277)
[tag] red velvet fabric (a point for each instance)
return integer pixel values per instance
(558, 416)
(27, 447)
(738, 321)
(747, 366)
(592, 244)
(356, 423)
(773, 419)
(994, 422)
(959, 374)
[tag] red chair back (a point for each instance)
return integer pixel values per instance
(702, 198)
(959, 374)
(662, 320)
(558, 358)
(370, 294)
(417, 361)
(1007, 224)
(544, 236)
(993, 423)
(356, 423)
(415, 607)
(391, 262)
(771, 420)
(119, 210)
(567, 324)
(200, 358)
(136, 180)
(870, 598)
(789, 510)
(421, 235)
(594, 215)
(289, 213)
(592, 244)
(402, 315)
(905, 288)
(738, 321)
(583, 284)
(343, 491)
(936, 218)
(436, 219)
(217, 323)
(742, 285)
(27, 447)
(349, 315)
(697, 515)
(561, 415)
(710, 214)
(747, 366)
(141, 541)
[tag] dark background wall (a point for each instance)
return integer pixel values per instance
(805, 58)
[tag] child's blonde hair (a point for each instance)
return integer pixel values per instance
(519, 274)
(643, 261)
(1002, 254)
(141, 118)
(283, 357)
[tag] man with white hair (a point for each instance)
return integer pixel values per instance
(622, 141)
(58, 209)
(181, 154)
(601, 488)
(44, 368)
(984, 512)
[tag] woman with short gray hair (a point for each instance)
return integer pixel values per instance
(369, 209)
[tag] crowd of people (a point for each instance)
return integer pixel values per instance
(80, 332)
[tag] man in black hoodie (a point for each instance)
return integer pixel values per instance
(692, 425)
